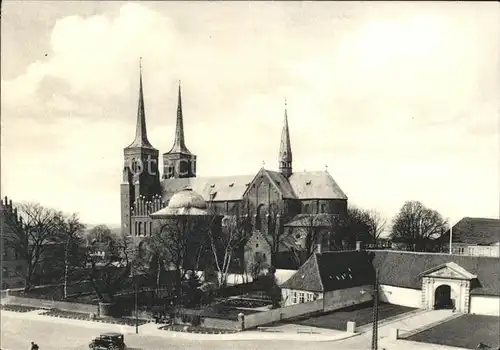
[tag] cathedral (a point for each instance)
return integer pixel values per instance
(304, 199)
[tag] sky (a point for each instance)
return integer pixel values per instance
(400, 101)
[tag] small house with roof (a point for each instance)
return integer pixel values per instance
(474, 236)
(468, 284)
(340, 279)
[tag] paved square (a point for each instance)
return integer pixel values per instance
(465, 331)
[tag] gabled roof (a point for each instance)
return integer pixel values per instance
(306, 278)
(475, 231)
(456, 269)
(304, 185)
(403, 269)
(277, 180)
(335, 270)
(315, 220)
(315, 185)
(222, 188)
(282, 182)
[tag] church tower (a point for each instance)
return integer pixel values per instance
(179, 162)
(285, 156)
(140, 169)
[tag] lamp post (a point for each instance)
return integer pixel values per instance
(375, 298)
(375, 314)
(136, 313)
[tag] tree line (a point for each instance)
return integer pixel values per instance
(58, 248)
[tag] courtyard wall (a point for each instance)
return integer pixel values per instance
(401, 296)
(340, 298)
(50, 304)
(284, 313)
(485, 305)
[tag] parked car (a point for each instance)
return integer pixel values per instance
(108, 341)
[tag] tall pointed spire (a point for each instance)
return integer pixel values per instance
(141, 135)
(285, 156)
(179, 142)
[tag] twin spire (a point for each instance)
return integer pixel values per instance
(179, 142)
(179, 146)
(141, 135)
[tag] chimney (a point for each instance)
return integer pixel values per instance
(318, 248)
(359, 246)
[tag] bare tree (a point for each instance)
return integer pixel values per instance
(235, 230)
(376, 225)
(276, 234)
(99, 233)
(178, 242)
(71, 230)
(257, 266)
(108, 273)
(417, 225)
(32, 237)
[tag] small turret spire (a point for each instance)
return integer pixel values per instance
(141, 135)
(179, 141)
(285, 156)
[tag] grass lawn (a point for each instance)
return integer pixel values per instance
(361, 314)
(465, 331)
(193, 329)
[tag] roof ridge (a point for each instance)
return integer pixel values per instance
(317, 270)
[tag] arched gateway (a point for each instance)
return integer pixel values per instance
(447, 286)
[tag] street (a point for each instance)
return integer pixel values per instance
(19, 329)
(18, 332)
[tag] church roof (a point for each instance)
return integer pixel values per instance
(282, 182)
(332, 271)
(223, 188)
(304, 185)
(404, 269)
(475, 231)
(315, 185)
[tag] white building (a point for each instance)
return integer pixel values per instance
(474, 236)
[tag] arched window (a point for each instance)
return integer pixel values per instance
(136, 229)
(139, 232)
(150, 228)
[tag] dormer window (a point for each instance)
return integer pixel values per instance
(231, 185)
(212, 185)
(308, 182)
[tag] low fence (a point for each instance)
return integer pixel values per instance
(50, 304)
(284, 313)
